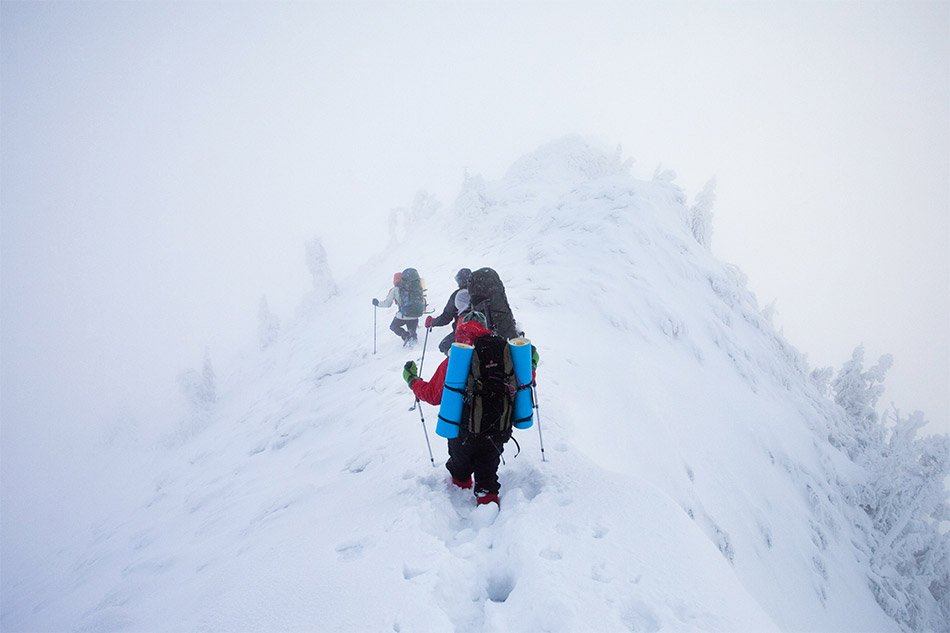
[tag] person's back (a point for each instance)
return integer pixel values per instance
(403, 324)
(456, 304)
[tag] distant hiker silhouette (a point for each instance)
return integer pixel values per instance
(408, 293)
(458, 302)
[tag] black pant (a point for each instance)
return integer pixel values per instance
(407, 332)
(446, 343)
(478, 455)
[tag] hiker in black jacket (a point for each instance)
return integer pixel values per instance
(451, 311)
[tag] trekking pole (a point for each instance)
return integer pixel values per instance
(422, 361)
(537, 413)
(374, 328)
(415, 403)
(426, 433)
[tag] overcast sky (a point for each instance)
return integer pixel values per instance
(164, 163)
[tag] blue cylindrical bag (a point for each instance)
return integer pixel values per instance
(522, 416)
(456, 374)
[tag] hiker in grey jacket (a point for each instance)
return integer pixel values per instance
(402, 326)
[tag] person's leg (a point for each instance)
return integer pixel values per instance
(459, 463)
(396, 327)
(411, 326)
(446, 343)
(485, 460)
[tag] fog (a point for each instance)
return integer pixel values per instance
(163, 165)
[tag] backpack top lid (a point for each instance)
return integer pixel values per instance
(410, 275)
(484, 283)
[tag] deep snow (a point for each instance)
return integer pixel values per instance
(687, 485)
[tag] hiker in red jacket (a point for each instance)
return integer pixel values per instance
(468, 453)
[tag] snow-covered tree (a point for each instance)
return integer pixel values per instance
(904, 496)
(821, 378)
(268, 325)
(906, 499)
(199, 387)
(472, 199)
(401, 219)
(323, 282)
(700, 214)
(857, 392)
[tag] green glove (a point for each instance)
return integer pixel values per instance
(534, 358)
(409, 372)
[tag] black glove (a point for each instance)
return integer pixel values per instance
(375, 302)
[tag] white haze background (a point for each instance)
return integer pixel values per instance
(163, 165)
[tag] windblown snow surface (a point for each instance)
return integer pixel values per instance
(687, 484)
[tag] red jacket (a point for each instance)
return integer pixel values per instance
(431, 391)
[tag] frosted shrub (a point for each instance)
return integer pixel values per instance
(323, 282)
(700, 214)
(402, 219)
(904, 496)
(906, 500)
(857, 392)
(199, 387)
(268, 325)
(821, 378)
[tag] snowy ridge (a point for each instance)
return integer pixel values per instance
(688, 487)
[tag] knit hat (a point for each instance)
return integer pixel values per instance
(462, 277)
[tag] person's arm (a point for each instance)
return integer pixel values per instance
(431, 391)
(388, 301)
(448, 313)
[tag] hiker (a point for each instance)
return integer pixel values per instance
(453, 307)
(409, 295)
(475, 452)
(487, 295)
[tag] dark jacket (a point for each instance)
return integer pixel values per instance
(449, 313)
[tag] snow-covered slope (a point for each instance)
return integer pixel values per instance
(688, 485)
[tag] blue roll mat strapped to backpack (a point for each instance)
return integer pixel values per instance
(521, 359)
(453, 393)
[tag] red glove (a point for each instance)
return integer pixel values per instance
(428, 322)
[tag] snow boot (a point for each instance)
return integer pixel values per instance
(466, 484)
(481, 498)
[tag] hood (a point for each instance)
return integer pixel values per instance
(468, 331)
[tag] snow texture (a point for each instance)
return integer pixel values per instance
(688, 485)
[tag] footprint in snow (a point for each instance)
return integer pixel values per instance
(484, 515)
(549, 553)
(599, 573)
(359, 463)
(351, 550)
(410, 571)
(501, 583)
(637, 616)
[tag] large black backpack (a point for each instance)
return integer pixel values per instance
(412, 294)
(490, 388)
(487, 295)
